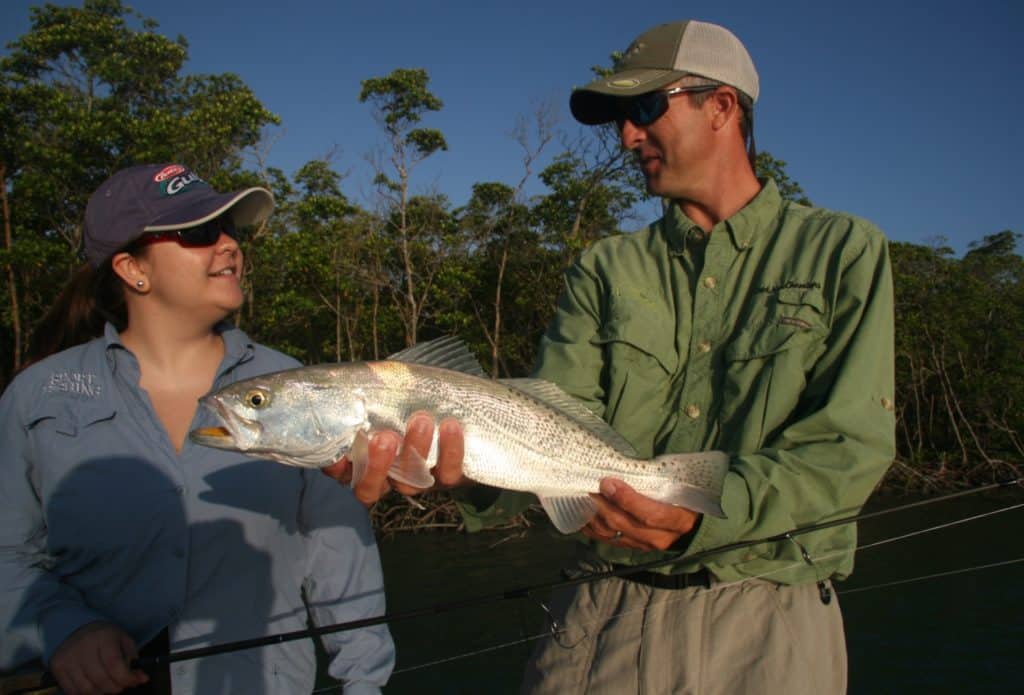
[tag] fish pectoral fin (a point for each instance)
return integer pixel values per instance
(569, 513)
(359, 456)
(412, 469)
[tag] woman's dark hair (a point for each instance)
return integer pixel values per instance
(92, 297)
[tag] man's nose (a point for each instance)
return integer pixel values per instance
(631, 135)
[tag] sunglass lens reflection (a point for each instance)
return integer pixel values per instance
(643, 110)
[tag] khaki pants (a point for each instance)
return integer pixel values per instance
(622, 637)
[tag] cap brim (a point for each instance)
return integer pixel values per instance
(247, 207)
(596, 103)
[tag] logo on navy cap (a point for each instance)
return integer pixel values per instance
(174, 179)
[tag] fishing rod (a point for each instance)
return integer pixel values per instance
(527, 591)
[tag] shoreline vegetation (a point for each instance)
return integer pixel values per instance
(329, 279)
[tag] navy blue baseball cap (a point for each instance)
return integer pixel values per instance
(161, 198)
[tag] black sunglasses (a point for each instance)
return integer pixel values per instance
(646, 108)
(205, 234)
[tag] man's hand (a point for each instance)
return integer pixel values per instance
(387, 447)
(628, 519)
(95, 658)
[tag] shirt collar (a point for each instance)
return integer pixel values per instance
(679, 228)
(238, 347)
(755, 218)
(744, 227)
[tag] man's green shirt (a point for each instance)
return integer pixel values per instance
(769, 338)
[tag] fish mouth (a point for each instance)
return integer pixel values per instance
(212, 436)
(235, 433)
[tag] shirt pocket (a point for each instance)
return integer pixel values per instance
(66, 417)
(766, 366)
(640, 358)
(65, 433)
(92, 484)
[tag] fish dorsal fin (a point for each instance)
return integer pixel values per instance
(448, 352)
(549, 394)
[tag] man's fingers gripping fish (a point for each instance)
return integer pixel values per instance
(520, 434)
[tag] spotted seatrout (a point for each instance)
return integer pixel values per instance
(520, 434)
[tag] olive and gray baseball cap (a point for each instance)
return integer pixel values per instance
(662, 56)
(161, 198)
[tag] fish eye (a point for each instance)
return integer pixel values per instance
(257, 398)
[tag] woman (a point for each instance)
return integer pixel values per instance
(115, 529)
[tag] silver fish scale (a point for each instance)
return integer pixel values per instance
(513, 440)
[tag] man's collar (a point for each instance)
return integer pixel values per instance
(744, 227)
(756, 217)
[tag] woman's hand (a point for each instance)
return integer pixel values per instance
(96, 658)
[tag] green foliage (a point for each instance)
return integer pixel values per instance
(426, 141)
(87, 93)
(400, 100)
(587, 201)
(960, 376)
(768, 166)
(413, 253)
(90, 90)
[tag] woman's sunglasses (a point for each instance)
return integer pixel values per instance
(205, 234)
(646, 108)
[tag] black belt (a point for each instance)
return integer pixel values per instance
(699, 578)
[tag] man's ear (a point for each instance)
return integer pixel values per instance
(725, 107)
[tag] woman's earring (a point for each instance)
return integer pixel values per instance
(140, 283)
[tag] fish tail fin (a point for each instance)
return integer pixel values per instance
(409, 467)
(695, 480)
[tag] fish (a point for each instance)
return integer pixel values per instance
(519, 434)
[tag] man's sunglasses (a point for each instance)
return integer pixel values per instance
(646, 108)
(205, 234)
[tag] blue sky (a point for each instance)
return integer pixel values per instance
(904, 112)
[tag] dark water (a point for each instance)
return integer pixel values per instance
(955, 634)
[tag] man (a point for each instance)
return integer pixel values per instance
(739, 322)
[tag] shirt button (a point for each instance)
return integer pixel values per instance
(710, 282)
(704, 346)
(693, 411)
(179, 552)
(698, 235)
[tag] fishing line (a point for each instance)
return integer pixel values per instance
(466, 655)
(437, 662)
(930, 576)
(526, 592)
(725, 585)
(948, 524)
